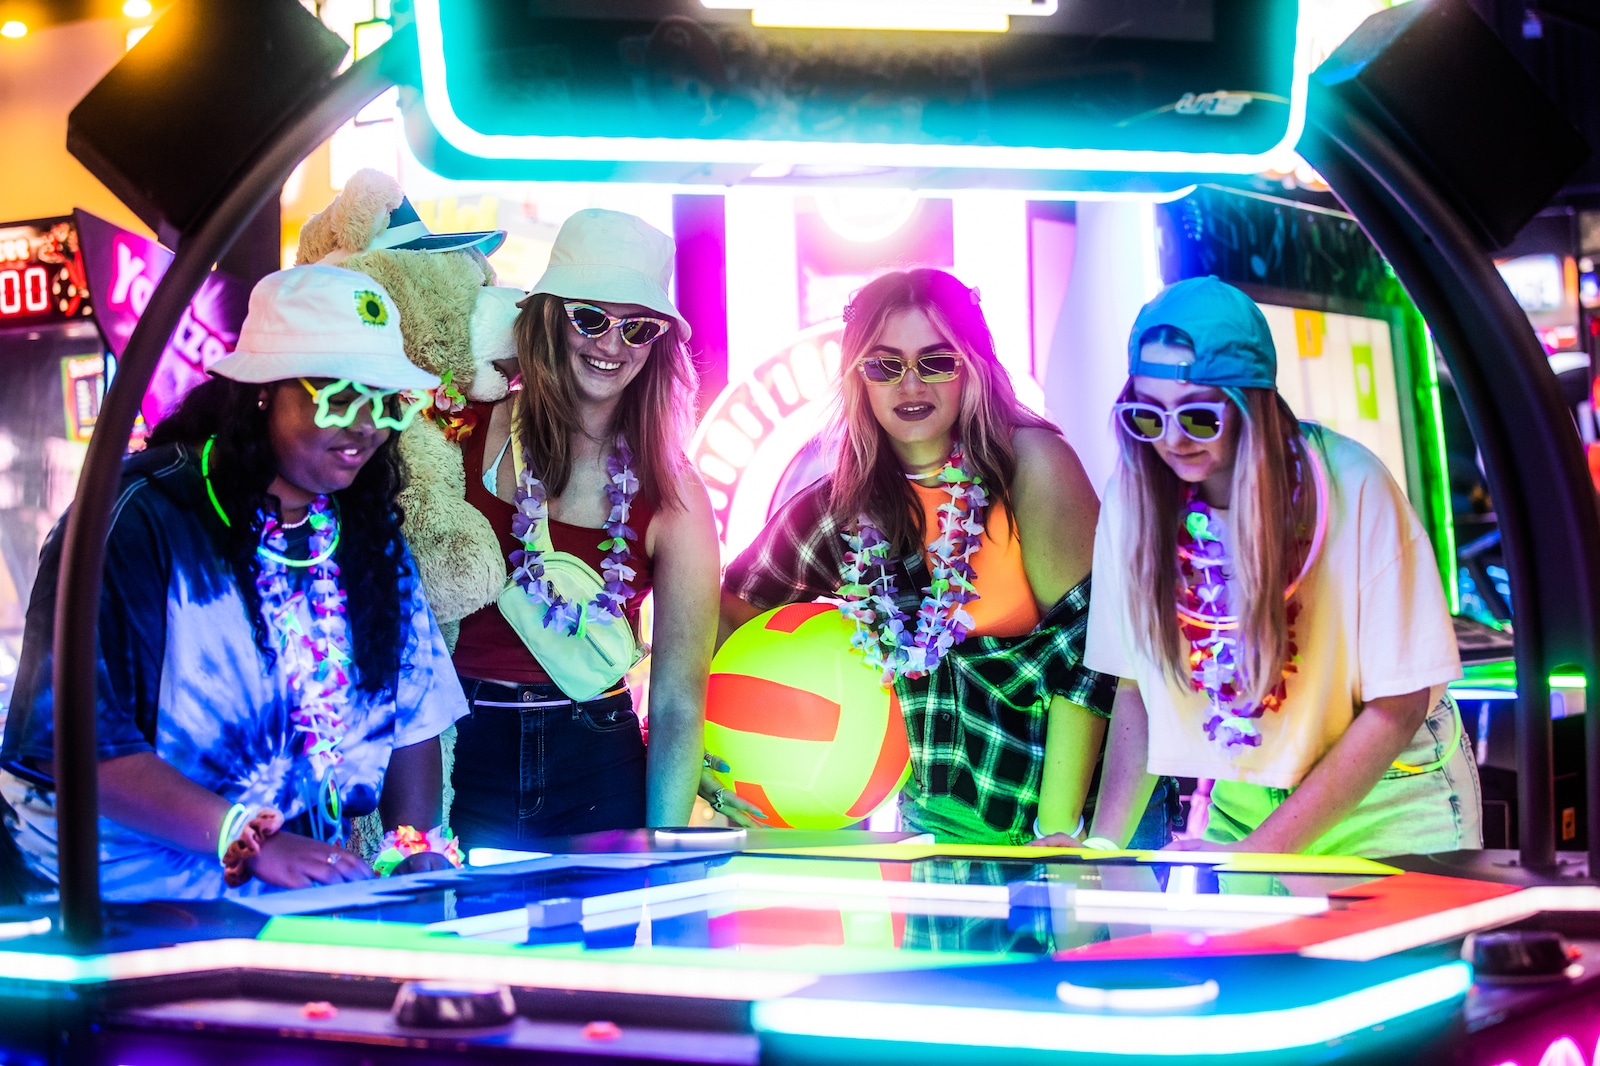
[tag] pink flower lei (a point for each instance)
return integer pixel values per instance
(942, 619)
(314, 662)
(526, 563)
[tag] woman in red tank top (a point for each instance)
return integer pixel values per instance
(597, 431)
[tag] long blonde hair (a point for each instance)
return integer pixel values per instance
(654, 417)
(1268, 524)
(867, 478)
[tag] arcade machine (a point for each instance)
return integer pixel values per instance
(55, 372)
(790, 947)
(71, 290)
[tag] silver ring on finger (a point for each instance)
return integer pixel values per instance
(333, 858)
(716, 799)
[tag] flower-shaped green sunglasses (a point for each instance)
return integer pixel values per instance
(339, 402)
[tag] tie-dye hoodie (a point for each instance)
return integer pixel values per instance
(179, 674)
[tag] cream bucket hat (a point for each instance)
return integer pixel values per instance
(612, 257)
(322, 321)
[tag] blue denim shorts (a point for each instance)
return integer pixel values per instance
(530, 763)
(1407, 812)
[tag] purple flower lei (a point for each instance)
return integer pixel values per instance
(315, 663)
(527, 567)
(942, 619)
(1205, 620)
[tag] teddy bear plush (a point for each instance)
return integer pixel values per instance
(456, 322)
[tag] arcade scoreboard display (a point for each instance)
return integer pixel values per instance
(792, 947)
(52, 361)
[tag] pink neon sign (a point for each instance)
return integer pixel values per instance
(1562, 1051)
(124, 270)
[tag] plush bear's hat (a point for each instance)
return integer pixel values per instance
(372, 212)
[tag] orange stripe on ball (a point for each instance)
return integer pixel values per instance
(755, 705)
(892, 757)
(790, 618)
(754, 793)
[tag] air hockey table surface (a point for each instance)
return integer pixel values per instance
(778, 946)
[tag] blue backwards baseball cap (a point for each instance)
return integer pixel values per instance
(1232, 344)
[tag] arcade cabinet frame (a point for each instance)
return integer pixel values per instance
(1531, 455)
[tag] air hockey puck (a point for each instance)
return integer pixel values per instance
(709, 836)
(453, 1005)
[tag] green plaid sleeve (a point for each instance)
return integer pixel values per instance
(977, 724)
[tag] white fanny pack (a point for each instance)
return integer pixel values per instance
(582, 664)
(585, 663)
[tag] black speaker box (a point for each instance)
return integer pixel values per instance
(195, 99)
(1444, 87)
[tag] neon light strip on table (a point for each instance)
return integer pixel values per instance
(1148, 1035)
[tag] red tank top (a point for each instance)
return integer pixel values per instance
(488, 647)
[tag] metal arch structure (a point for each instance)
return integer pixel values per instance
(1532, 457)
(89, 522)
(1547, 507)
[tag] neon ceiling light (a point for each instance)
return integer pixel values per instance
(1222, 1033)
(854, 156)
(972, 16)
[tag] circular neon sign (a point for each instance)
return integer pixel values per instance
(751, 436)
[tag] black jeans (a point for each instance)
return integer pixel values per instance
(530, 763)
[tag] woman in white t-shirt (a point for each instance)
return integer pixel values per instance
(1273, 607)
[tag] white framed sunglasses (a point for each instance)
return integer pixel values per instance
(637, 330)
(1199, 421)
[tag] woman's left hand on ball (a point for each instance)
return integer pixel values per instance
(724, 800)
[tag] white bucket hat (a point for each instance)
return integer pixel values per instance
(612, 257)
(321, 321)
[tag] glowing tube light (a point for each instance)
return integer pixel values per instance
(494, 962)
(972, 16)
(852, 156)
(1146, 1035)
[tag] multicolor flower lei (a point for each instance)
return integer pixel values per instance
(1207, 623)
(316, 664)
(404, 841)
(527, 566)
(942, 619)
(451, 410)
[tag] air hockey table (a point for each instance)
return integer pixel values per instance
(786, 947)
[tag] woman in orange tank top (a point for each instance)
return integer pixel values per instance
(955, 507)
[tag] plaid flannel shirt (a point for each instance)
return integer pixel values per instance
(977, 723)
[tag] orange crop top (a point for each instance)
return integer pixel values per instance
(1005, 606)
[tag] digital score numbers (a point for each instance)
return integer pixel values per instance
(42, 277)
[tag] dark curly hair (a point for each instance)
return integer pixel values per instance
(371, 552)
